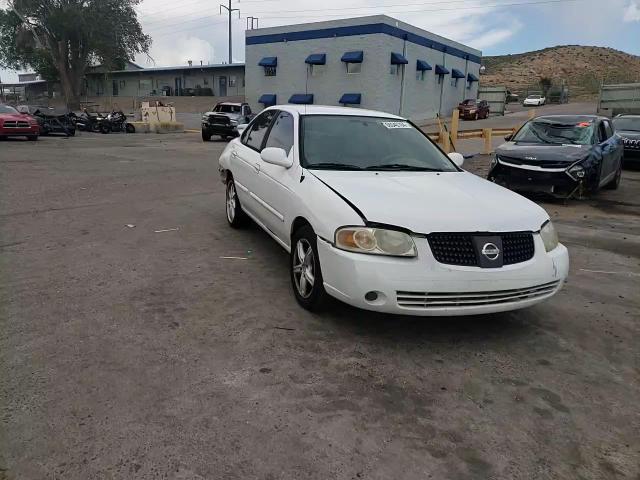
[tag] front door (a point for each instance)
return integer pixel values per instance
(222, 86)
(115, 88)
(178, 87)
(275, 183)
(609, 152)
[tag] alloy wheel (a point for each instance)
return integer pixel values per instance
(231, 201)
(303, 268)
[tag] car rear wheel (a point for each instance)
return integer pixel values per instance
(306, 274)
(235, 216)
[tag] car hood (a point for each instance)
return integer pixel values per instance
(543, 153)
(14, 117)
(426, 202)
(232, 116)
(630, 134)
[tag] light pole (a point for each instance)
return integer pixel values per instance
(230, 11)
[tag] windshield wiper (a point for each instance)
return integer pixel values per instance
(402, 166)
(332, 166)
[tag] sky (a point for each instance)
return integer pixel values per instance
(195, 30)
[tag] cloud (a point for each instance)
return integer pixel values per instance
(495, 36)
(632, 12)
(178, 50)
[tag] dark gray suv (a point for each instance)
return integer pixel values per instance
(628, 128)
(224, 119)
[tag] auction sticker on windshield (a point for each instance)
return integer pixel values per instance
(396, 124)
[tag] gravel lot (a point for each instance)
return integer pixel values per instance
(126, 353)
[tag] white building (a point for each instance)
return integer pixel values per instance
(373, 62)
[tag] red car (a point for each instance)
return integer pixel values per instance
(15, 124)
(472, 109)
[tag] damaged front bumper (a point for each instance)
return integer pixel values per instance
(573, 181)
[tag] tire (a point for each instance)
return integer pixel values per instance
(72, 133)
(129, 128)
(105, 128)
(304, 267)
(477, 116)
(615, 183)
(206, 136)
(33, 138)
(235, 215)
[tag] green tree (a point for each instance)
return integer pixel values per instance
(59, 39)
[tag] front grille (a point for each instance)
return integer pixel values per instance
(535, 163)
(16, 124)
(434, 300)
(219, 119)
(458, 249)
(632, 144)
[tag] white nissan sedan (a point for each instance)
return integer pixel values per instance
(374, 214)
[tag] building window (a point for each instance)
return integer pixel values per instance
(269, 71)
(354, 68)
(99, 87)
(122, 83)
(205, 80)
(316, 70)
(232, 80)
(394, 69)
(243, 85)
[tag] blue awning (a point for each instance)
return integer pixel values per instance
(267, 99)
(455, 73)
(269, 62)
(423, 66)
(472, 78)
(316, 59)
(302, 98)
(440, 70)
(398, 59)
(351, 99)
(353, 57)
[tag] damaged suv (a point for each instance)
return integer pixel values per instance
(561, 155)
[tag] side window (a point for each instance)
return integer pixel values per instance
(281, 135)
(258, 130)
(608, 129)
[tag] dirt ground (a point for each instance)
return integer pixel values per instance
(126, 353)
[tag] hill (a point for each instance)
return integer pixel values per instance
(582, 68)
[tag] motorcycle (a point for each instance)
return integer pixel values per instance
(90, 122)
(116, 121)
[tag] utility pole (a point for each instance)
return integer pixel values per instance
(230, 11)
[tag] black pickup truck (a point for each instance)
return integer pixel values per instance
(223, 120)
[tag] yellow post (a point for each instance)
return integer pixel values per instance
(446, 140)
(455, 121)
(532, 113)
(487, 133)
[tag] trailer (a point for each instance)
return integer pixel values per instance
(621, 98)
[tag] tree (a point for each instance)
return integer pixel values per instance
(59, 39)
(545, 84)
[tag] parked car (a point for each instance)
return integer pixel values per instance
(534, 101)
(51, 119)
(223, 120)
(628, 128)
(472, 109)
(561, 155)
(16, 124)
(373, 213)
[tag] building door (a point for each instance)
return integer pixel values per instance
(115, 88)
(178, 90)
(222, 86)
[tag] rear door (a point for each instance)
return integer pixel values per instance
(245, 158)
(608, 150)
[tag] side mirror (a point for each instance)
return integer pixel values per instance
(276, 156)
(456, 158)
(508, 137)
(242, 127)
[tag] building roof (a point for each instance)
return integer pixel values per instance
(373, 24)
(22, 84)
(182, 67)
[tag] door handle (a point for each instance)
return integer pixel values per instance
(234, 153)
(256, 166)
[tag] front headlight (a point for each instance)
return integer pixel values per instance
(494, 162)
(375, 241)
(549, 236)
(233, 123)
(205, 118)
(576, 172)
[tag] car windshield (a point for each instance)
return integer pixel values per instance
(469, 102)
(534, 97)
(629, 124)
(339, 142)
(556, 133)
(7, 109)
(228, 108)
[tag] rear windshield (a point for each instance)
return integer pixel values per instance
(339, 142)
(228, 108)
(629, 124)
(556, 133)
(7, 109)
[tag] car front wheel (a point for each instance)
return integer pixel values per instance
(206, 136)
(306, 275)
